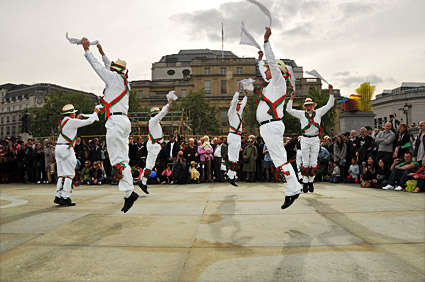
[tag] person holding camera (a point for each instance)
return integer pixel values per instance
(180, 169)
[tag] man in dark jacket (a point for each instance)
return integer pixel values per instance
(364, 147)
(172, 148)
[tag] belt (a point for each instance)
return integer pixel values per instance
(310, 136)
(62, 143)
(235, 133)
(270, 120)
(117, 114)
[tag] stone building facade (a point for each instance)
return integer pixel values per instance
(16, 98)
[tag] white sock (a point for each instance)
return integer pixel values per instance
(128, 193)
(144, 180)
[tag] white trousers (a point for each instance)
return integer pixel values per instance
(310, 150)
(65, 162)
(153, 151)
(272, 134)
(233, 149)
(118, 130)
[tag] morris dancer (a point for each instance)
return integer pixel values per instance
(118, 126)
(310, 144)
(270, 97)
(156, 137)
(64, 152)
(234, 116)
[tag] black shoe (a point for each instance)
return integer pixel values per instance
(128, 202)
(66, 202)
(305, 187)
(310, 187)
(142, 186)
(57, 200)
(287, 203)
(232, 181)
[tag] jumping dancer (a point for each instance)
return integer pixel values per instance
(310, 144)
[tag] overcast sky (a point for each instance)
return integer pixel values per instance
(348, 42)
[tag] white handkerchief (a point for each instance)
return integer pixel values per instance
(247, 83)
(315, 73)
(263, 9)
(172, 95)
(247, 38)
(99, 107)
(78, 41)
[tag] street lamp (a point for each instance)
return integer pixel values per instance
(405, 111)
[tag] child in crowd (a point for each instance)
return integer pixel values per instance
(336, 173)
(167, 174)
(369, 173)
(382, 175)
(194, 173)
(354, 172)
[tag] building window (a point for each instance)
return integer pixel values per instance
(7, 119)
(207, 71)
(13, 118)
(171, 72)
(2, 120)
(223, 118)
(8, 109)
(223, 86)
(13, 130)
(140, 94)
(184, 92)
(14, 108)
(223, 70)
(20, 107)
(239, 70)
(2, 131)
(207, 87)
(8, 130)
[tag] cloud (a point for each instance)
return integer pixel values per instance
(346, 81)
(206, 24)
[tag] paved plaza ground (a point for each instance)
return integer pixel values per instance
(212, 232)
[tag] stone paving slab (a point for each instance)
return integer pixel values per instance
(131, 230)
(82, 263)
(326, 264)
(212, 232)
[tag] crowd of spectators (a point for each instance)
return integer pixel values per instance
(387, 158)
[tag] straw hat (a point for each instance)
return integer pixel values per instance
(119, 65)
(281, 65)
(68, 109)
(154, 110)
(309, 101)
(192, 163)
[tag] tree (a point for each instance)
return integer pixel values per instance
(44, 120)
(321, 98)
(134, 103)
(201, 115)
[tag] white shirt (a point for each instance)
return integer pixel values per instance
(155, 128)
(274, 90)
(114, 83)
(232, 114)
(318, 118)
(70, 128)
(217, 151)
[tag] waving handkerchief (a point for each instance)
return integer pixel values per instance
(247, 38)
(315, 73)
(78, 41)
(247, 84)
(172, 95)
(263, 9)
